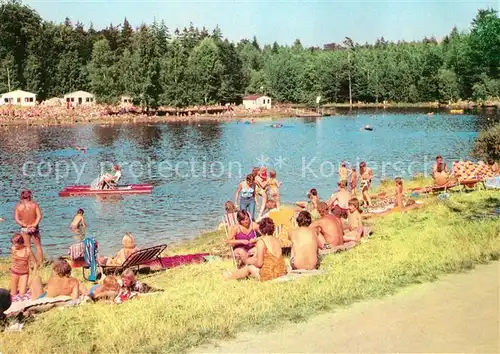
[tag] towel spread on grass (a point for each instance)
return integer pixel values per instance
(90, 256)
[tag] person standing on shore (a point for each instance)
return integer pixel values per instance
(366, 175)
(28, 215)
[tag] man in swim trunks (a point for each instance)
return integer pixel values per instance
(304, 244)
(28, 215)
(329, 227)
(340, 200)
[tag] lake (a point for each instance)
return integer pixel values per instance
(195, 168)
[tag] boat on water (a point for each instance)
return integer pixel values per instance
(73, 191)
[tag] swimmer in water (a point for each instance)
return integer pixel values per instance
(82, 149)
(78, 222)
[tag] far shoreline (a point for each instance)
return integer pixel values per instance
(77, 117)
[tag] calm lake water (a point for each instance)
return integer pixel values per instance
(195, 168)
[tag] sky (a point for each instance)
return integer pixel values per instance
(313, 22)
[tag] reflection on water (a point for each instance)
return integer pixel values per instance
(196, 167)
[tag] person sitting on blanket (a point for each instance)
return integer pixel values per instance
(129, 247)
(243, 237)
(329, 229)
(61, 283)
(304, 244)
(355, 222)
(268, 262)
(442, 177)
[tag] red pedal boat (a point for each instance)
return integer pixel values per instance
(73, 191)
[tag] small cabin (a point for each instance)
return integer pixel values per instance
(79, 98)
(256, 102)
(18, 98)
(126, 101)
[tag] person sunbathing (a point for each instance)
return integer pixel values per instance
(304, 244)
(268, 262)
(355, 222)
(439, 161)
(329, 229)
(61, 283)
(441, 177)
(243, 237)
(108, 289)
(128, 247)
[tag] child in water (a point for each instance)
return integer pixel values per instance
(78, 222)
(273, 186)
(22, 258)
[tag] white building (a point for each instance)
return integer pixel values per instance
(79, 98)
(257, 101)
(18, 98)
(126, 101)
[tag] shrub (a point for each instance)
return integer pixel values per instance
(487, 144)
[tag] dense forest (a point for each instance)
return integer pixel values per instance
(192, 66)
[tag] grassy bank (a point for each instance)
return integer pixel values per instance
(198, 305)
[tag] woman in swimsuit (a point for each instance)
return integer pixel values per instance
(245, 193)
(268, 262)
(22, 257)
(261, 189)
(243, 237)
(366, 175)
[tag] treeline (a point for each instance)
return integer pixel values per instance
(193, 66)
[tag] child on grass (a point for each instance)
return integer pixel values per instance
(354, 221)
(399, 192)
(22, 258)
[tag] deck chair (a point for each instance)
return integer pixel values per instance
(229, 221)
(136, 259)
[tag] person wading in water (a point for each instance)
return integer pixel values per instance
(28, 215)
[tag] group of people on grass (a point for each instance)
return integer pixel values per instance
(25, 282)
(334, 224)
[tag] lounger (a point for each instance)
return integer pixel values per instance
(230, 220)
(136, 259)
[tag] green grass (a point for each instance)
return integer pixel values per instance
(198, 306)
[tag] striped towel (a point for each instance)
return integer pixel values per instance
(76, 251)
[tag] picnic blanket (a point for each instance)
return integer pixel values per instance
(41, 305)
